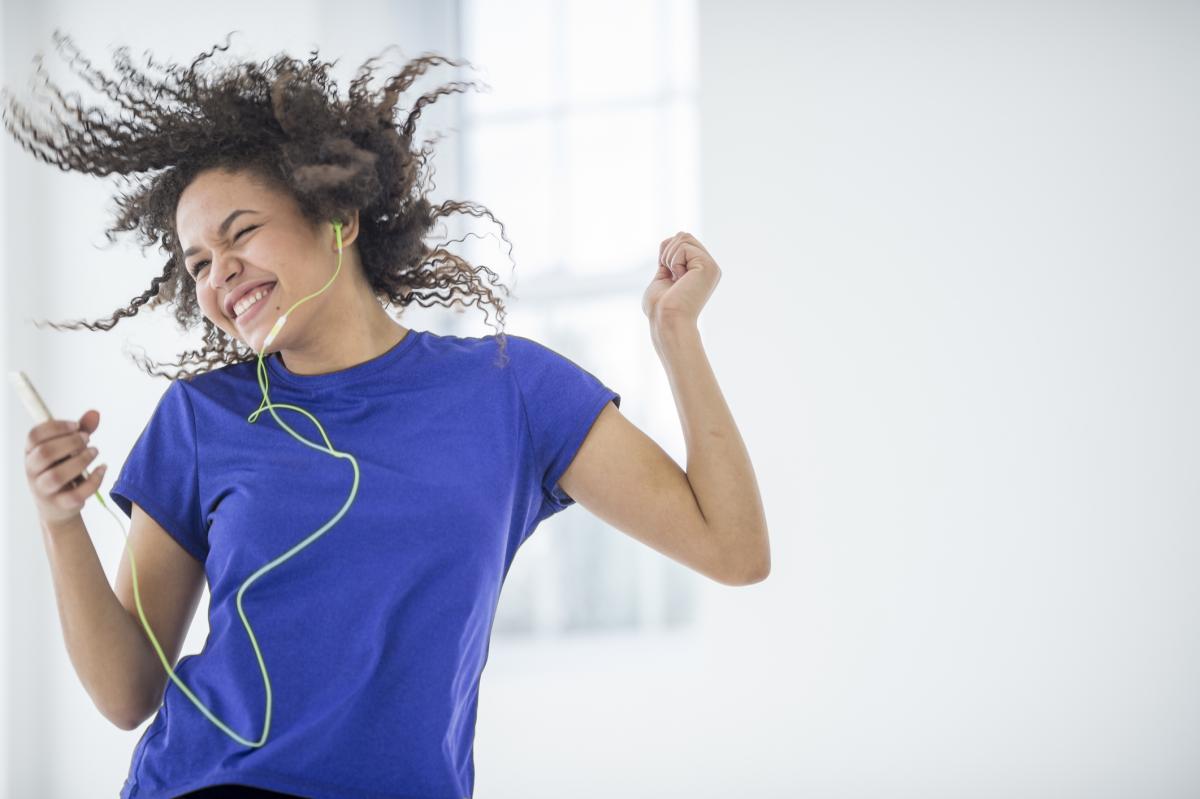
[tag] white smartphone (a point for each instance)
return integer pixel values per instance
(37, 408)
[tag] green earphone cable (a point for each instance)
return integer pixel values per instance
(328, 448)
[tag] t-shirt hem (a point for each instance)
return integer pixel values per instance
(271, 782)
(574, 443)
(149, 503)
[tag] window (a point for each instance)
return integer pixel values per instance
(585, 148)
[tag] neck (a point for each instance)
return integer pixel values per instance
(350, 335)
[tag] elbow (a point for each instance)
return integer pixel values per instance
(119, 720)
(124, 719)
(130, 723)
(747, 564)
(758, 570)
(742, 564)
(757, 575)
(124, 725)
(762, 563)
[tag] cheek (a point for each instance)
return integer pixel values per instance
(209, 305)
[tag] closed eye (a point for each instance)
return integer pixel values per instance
(196, 268)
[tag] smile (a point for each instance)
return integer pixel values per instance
(250, 312)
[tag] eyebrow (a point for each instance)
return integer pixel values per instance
(222, 230)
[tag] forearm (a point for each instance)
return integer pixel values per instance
(718, 465)
(110, 652)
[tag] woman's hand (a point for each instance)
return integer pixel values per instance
(56, 453)
(685, 279)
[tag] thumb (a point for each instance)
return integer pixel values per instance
(89, 421)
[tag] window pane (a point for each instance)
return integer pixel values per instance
(682, 189)
(587, 151)
(507, 170)
(682, 40)
(614, 201)
(510, 44)
(616, 49)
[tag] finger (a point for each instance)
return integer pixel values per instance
(662, 249)
(676, 251)
(691, 241)
(90, 420)
(77, 466)
(677, 269)
(48, 430)
(63, 475)
(89, 486)
(57, 450)
(681, 252)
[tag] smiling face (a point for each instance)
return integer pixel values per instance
(235, 232)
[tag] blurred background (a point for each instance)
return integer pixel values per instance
(956, 327)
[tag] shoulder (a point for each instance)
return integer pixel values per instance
(507, 350)
(530, 352)
(215, 381)
(193, 391)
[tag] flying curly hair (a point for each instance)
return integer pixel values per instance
(282, 123)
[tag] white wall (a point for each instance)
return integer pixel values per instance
(958, 329)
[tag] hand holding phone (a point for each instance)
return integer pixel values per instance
(56, 455)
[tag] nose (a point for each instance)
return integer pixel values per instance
(221, 269)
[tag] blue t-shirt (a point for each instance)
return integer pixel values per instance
(374, 635)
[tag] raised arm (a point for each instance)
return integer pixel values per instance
(709, 517)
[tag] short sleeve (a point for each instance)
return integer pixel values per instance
(161, 474)
(562, 401)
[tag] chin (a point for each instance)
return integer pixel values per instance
(257, 345)
(237, 336)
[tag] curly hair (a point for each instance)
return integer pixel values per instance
(283, 124)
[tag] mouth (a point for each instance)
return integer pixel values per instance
(250, 313)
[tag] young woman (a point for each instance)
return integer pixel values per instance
(352, 491)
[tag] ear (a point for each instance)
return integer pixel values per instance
(349, 230)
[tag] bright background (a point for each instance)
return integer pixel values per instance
(956, 328)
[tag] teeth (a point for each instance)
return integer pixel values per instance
(245, 303)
